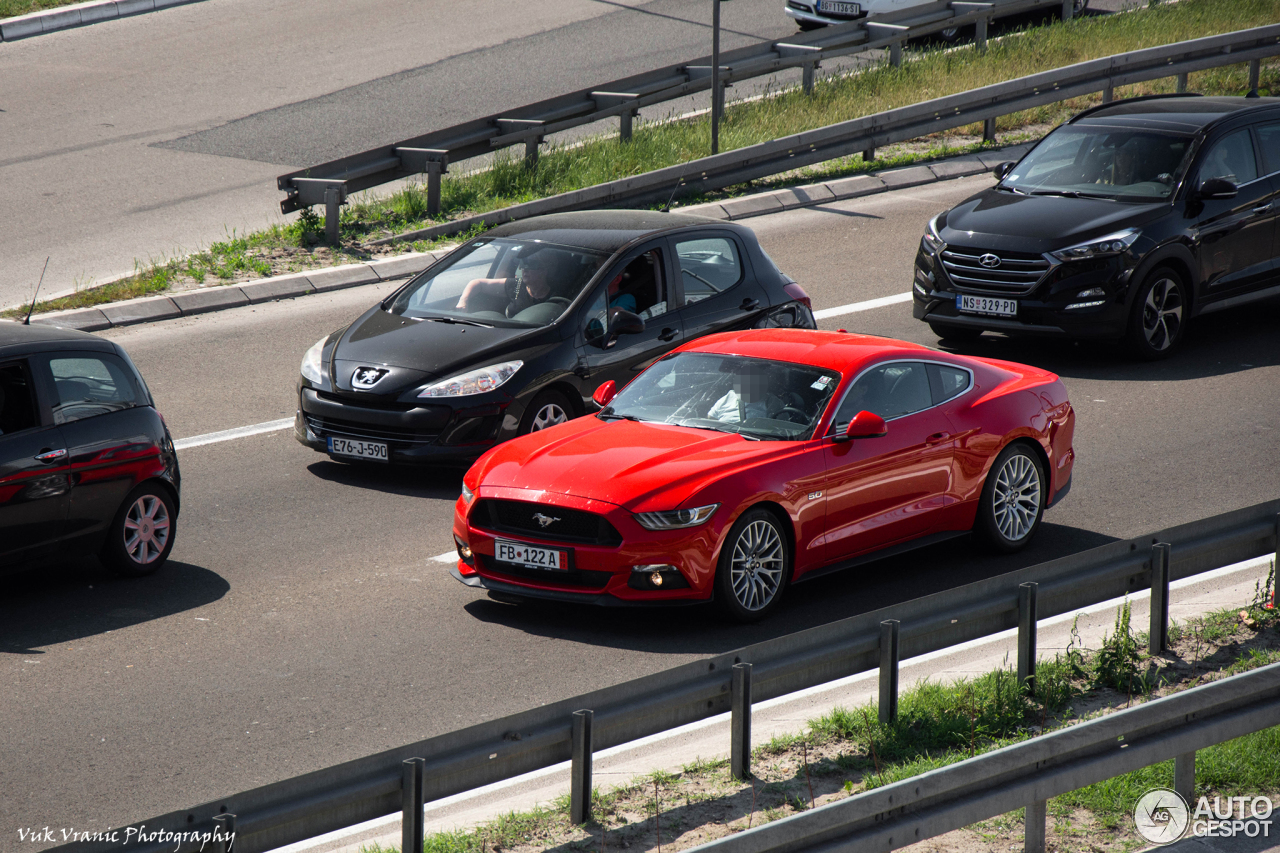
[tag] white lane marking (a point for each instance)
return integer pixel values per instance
(854, 307)
(285, 423)
(229, 434)
(446, 557)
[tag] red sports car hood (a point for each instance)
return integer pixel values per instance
(639, 466)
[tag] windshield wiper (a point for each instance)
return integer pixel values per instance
(458, 322)
(614, 416)
(1071, 194)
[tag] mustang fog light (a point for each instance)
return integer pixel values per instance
(656, 576)
(464, 552)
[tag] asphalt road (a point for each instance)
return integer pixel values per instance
(300, 622)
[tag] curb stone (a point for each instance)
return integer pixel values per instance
(79, 15)
(321, 280)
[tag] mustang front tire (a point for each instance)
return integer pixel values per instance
(755, 566)
(1013, 499)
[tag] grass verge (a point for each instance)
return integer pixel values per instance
(849, 751)
(14, 8)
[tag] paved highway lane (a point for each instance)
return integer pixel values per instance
(302, 622)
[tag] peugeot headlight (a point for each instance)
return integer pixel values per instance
(933, 241)
(676, 518)
(311, 362)
(1112, 244)
(479, 381)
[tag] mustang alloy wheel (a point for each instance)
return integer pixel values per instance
(755, 564)
(141, 536)
(1013, 499)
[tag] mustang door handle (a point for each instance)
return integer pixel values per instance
(749, 304)
(937, 437)
(51, 455)
(668, 335)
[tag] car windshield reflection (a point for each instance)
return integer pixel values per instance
(499, 282)
(754, 397)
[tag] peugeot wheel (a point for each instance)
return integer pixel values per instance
(1158, 320)
(1013, 499)
(755, 566)
(550, 408)
(141, 535)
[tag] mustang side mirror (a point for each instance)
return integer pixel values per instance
(605, 393)
(864, 425)
(622, 322)
(1003, 169)
(1217, 188)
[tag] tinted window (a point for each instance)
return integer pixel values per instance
(17, 400)
(1231, 158)
(707, 267)
(89, 385)
(1269, 139)
(890, 391)
(1102, 162)
(946, 382)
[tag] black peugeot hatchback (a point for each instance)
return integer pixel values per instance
(513, 331)
(87, 465)
(1125, 222)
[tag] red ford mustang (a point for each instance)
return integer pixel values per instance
(746, 461)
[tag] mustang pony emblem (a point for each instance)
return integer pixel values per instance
(543, 520)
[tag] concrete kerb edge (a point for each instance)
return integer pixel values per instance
(79, 15)
(742, 207)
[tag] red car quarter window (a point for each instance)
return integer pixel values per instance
(90, 385)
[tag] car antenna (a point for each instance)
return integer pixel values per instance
(666, 208)
(36, 295)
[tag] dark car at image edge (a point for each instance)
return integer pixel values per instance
(460, 359)
(1125, 223)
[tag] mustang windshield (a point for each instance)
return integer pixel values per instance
(758, 398)
(498, 282)
(1120, 164)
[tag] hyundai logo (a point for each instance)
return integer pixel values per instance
(989, 260)
(544, 520)
(365, 378)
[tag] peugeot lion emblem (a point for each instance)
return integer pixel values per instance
(989, 260)
(543, 520)
(366, 377)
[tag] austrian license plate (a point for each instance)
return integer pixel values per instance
(987, 305)
(358, 449)
(837, 7)
(530, 556)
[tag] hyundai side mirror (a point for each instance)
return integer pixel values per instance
(1003, 169)
(864, 425)
(622, 322)
(605, 393)
(1217, 188)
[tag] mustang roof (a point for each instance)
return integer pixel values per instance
(837, 351)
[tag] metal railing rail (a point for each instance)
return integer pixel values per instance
(874, 131)
(371, 787)
(1028, 773)
(431, 153)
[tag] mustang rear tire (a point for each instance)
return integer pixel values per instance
(1012, 501)
(141, 535)
(754, 568)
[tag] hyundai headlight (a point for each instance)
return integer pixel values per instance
(1112, 244)
(479, 381)
(311, 362)
(933, 241)
(677, 518)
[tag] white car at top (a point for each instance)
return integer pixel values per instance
(811, 14)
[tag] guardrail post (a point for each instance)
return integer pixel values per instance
(580, 770)
(1184, 776)
(1255, 69)
(808, 77)
(531, 151)
(1033, 827)
(868, 155)
(1027, 635)
(225, 827)
(624, 124)
(895, 54)
(889, 670)
(1159, 634)
(1108, 94)
(740, 725)
(1068, 9)
(412, 821)
(989, 130)
(1182, 83)
(980, 34)
(434, 171)
(334, 198)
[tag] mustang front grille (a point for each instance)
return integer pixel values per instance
(530, 520)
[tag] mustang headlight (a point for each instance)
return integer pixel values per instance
(933, 241)
(477, 381)
(1112, 244)
(676, 518)
(467, 494)
(311, 362)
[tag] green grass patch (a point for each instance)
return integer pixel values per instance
(14, 8)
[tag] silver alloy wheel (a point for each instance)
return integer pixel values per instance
(1016, 497)
(146, 530)
(1162, 314)
(548, 416)
(755, 571)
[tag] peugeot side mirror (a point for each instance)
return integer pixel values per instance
(864, 425)
(1217, 188)
(622, 322)
(605, 393)
(1003, 169)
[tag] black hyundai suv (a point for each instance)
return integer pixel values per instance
(1125, 222)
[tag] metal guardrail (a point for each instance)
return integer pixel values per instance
(874, 131)
(377, 785)
(431, 153)
(1029, 773)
